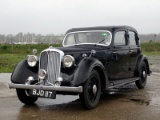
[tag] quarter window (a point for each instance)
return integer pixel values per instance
(120, 38)
(70, 40)
(132, 38)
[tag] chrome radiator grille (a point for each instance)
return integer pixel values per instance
(50, 61)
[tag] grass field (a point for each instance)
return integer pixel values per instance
(23, 49)
(11, 55)
(151, 48)
(9, 61)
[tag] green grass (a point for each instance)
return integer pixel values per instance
(151, 48)
(11, 55)
(9, 61)
(23, 49)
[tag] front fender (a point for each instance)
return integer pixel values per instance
(84, 69)
(23, 71)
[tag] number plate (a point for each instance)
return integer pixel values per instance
(42, 93)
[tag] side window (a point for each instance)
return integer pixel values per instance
(120, 38)
(70, 40)
(132, 38)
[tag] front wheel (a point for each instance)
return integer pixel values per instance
(22, 96)
(91, 91)
(141, 83)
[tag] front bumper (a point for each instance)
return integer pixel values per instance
(78, 89)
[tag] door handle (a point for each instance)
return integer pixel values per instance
(114, 56)
(131, 51)
(114, 52)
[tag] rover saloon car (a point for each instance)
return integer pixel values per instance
(91, 61)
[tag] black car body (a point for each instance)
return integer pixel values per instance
(91, 61)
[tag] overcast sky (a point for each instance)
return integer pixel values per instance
(56, 16)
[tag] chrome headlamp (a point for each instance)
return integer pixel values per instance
(42, 74)
(68, 61)
(32, 60)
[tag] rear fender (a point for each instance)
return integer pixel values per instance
(142, 58)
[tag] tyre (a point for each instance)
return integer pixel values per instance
(22, 96)
(91, 91)
(141, 83)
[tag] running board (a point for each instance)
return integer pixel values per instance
(115, 83)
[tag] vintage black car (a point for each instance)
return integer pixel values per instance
(91, 61)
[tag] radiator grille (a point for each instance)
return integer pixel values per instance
(51, 62)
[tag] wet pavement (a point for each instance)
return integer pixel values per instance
(154, 63)
(126, 103)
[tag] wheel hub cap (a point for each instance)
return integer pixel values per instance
(144, 73)
(94, 89)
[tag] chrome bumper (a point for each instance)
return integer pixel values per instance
(78, 89)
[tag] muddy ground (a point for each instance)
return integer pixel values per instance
(126, 103)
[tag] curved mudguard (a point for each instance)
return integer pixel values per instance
(84, 69)
(22, 72)
(142, 58)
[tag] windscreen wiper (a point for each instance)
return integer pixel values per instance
(101, 41)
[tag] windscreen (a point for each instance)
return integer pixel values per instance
(93, 37)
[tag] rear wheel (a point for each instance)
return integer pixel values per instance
(22, 96)
(91, 91)
(141, 83)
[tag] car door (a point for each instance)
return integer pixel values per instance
(120, 58)
(134, 50)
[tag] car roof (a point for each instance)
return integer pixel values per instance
(110, 28)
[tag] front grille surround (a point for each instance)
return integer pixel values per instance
(50, 61)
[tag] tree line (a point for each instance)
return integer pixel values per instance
(32, 38)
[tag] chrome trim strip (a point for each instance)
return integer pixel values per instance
(78, 89)
(87, 43)
(53, 66)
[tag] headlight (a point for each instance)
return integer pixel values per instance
(32, 60)
(68, 61)
(42, 74)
